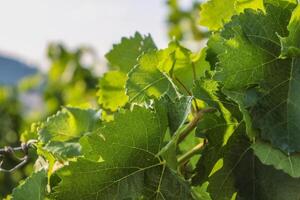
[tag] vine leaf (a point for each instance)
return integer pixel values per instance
(248, 52)
(146, 81)
(227, 143)
(130, 167)
(215, 13)
(272, 184)
(179, 62)
(33, 188)
(61, 132)
(251, 59)
(111, 91)
(214, 124)
(220, 164)
(124, 55)
(178, 110)
(268, 155)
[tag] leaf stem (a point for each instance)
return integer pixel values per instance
(194, 71)
(193, 123)
(188, 155)
(183, 86)
(187, 91)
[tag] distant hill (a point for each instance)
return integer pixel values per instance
(12, 70)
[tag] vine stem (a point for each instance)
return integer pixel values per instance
(188, 155)
(8, 149)
(199, 115)
(11, 150)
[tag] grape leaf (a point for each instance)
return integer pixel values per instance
(219, 164)
(217, 127)
(181, 64)
(245, 100)
(61, 132)
(213, 124)
(147, 81)
(238, 70)
(238, 174)
(34, 187)
(130, 168)
(206, 90)
(214, 13)
(178, 110)
(272, 184)
(200, 62)
(111, 91)
(30, 133)
(251, 46)
(124, 55)
(268, 155)
(223, 179)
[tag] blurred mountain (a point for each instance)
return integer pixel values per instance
(12, 70)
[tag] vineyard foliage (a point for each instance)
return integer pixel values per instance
(221, 123)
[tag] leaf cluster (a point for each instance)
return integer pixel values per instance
(220, 124)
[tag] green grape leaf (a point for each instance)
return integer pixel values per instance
(31, 133)
(206, 90)
(213, 124)
(291, 43)
(233, 172)
(241, 5)
(214, 13)
(181, 64)
(46, 160)
(268, 155)
(220, 128)
(61, 132)
(125, 55)
(200, 62)
(111, 91)
(272, 184)
(248, 51)
(33, 188)
(245, 100)
(178, 110)
(130, 168)
(219, 164)
(223, 182)
(256, 34)
(237, 69)
(147, 81)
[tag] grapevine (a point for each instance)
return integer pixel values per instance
(219, 123)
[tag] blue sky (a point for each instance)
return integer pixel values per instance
(27, 26)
